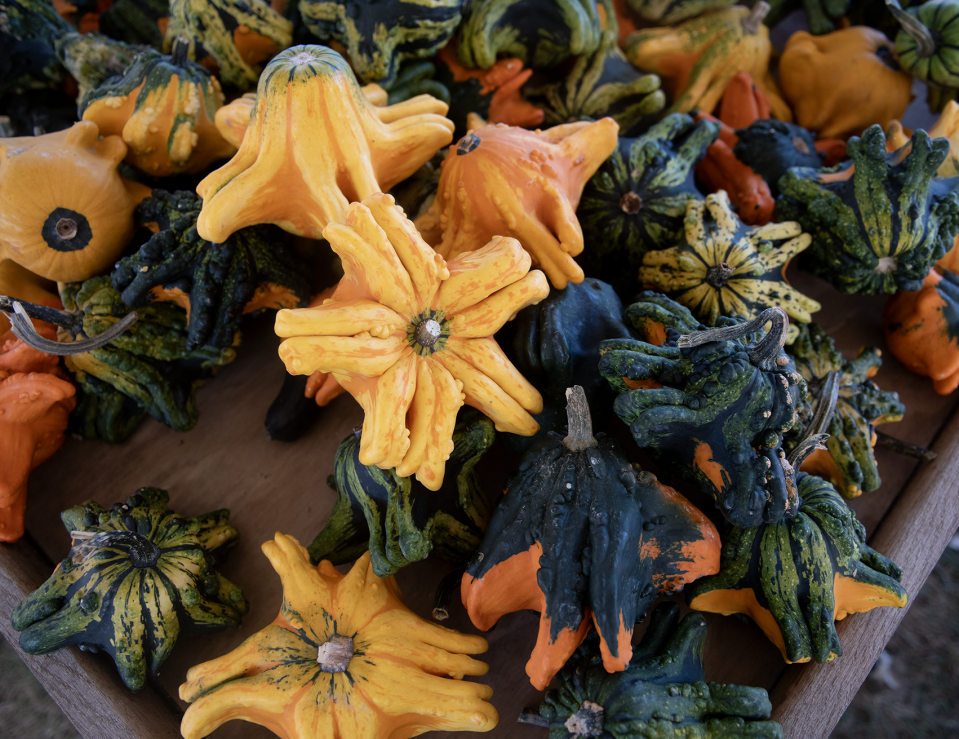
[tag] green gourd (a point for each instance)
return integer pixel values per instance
(669, 12)
(821, 15)
(136, 21)
(879, 221)
(927, 46)
(397, 519)
(93, 58)
(770, 147)
(29, 30)
(136, 578)
(103, 412)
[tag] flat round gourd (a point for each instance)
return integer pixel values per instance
(586, 539)
(136, 578)
(356, 663)
(798, 576)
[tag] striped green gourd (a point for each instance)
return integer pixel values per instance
(928, 47)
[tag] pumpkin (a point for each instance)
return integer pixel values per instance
(840, 83)
(668, 13)
(150, 362)
(721, 267)
(794, 578)
(29, 30)
(252, 270)
(379, 37)
(92, 58)
(410, 336)
(848, 462)
(922, 330)
(103, 412)
(770, 148)
(600, 84)
(585, 538)
(540, 33)
(231, 38)
(67, 213)
(136, 21)
(314, 145)
(356, 663)
(712, 406)
(822, 16)
(523, 184)
(925, 45)
(399, 521)
(662, 693)
(637, 199)
(879, 221)
(137, 577)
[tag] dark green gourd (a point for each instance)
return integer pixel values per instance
(29, 30)
(772, 147)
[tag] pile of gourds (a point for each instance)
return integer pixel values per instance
(202, 155)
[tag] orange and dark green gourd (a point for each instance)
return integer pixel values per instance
(796, 577)
(878, 221)
(713, 405)
(927, 47)
(137, 577)
(586, 539)
(398, 520)
(662, 694)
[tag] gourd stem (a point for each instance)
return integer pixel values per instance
(62, 318)
(755, 18)
(816, 435)
(580, 436)
(764, 353)
(23, 329)
(444, 594)
(529, 716)
(904, 447)
(925, 44)
(180, 48)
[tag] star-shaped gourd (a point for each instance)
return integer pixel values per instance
(722, 267)
(344, 658)
(505, 181)
(315, 144)
(410, 336)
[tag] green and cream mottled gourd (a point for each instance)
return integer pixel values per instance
(217, 280)
(103, 412)
(860, 406)
(379, 36)
(540, 33)
(603, 83)
(149, 362)
(29, 30)
(796, 577)
(93, 58)
(722, 267)
(136, 21)
(712, 406)
(230, 37)
(137, 577)
(637, 199)
(927, 46)
(397, 519)
(668, 12)
(663, 694)
(879, 221)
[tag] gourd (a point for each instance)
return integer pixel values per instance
(29, 30)
(662, 694)
(67, 213)
(842, 82)
(669, 12)
(821, 15)
(150, 362)
(712, 406)
(350, 646)
(314, 145)
(137, 577)
(103, 412)
(600, 84)
(216, 283)
(410, 336)
(523, 184)
(585, 538)
(925, 47)
(946, 127)
(92, 58)
(231, 38)
(770, 148)
(879, 221)
(20, 283)
(637, 199)
(721, 267)
(922, 330)
(399, 521)
(848, 462)
(540, 33)
(796, 577)
(379, 37)
(136, 21)
(163, 108)
(743, 102)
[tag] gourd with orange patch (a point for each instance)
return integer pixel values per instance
(796, 577)
(585, 538)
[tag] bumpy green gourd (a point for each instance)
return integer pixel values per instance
(219, 279)
(878, 222)
(397, 519)
(136, 21)
(652, 315)
(149, 362)
(861, 405)
(600, 84)
(663, 694)
(379, 36)
(103, 412)
(29, 30)
(796, 577)
(637, 199)
(93, 58)
(715, 412)
(136, 578)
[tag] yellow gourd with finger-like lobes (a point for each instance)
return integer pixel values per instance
(314, 145)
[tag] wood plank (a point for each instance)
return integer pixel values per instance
(810, 699)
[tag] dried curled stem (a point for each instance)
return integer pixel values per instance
(764, 353)
(816, 434)
(19, 313)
